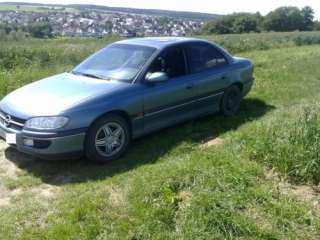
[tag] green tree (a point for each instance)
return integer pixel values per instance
(284, 19)
(245, 23)
(164, 21)
(108, 25)
(290, 19)
(308, 17)
(234, 23)
(222, 25)
(40, 29)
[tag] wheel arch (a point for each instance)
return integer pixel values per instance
(120, 113)
(236, 84)
(239, 84)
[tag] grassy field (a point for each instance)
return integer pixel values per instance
(263, 41)
(254, 176)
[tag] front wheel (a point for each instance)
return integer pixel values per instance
(107, 139)
(230, 102)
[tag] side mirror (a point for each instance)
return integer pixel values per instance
(157, 77)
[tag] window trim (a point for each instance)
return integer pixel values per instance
(206, 44)
(185, 57)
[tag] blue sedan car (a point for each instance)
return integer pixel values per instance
(124, 91)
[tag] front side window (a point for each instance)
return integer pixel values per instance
(171, 61)
(119, 62)
(204, 56)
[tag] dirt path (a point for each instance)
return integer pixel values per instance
(9, 171)
(303, 193)
(212, 142)
(7, 168)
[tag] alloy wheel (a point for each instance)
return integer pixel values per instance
(109, 139)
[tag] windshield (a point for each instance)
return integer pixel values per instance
(119, 62)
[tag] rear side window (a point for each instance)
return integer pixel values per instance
(204, 56)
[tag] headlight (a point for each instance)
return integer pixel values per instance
(46, 123)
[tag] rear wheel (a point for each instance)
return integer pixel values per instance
(107, 139)
(231, 100)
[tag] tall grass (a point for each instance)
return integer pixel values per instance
(47, 52)
(292, 147)
(237, 43)
(29, 52)
(28, 60)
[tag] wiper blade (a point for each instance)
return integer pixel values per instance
(87, 75)
(91, 75)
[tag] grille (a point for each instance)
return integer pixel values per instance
(11, 122)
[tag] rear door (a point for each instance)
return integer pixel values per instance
(172, 101)
(209, 70)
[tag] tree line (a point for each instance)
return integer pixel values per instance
(36, 29)
(283, 19)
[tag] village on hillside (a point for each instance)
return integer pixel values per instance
(98, 23)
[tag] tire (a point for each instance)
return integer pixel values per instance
(107, 139)
(230, 103)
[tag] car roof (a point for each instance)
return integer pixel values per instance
(158, 42)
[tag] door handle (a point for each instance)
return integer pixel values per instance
(189, 86)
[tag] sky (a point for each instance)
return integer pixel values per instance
(208, 6)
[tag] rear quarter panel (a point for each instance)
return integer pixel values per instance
(243, 73)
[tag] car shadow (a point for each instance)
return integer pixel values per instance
(146, 150)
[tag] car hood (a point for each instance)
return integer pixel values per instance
(53, 95)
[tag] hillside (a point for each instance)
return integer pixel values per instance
(42, 20)
(86, 7)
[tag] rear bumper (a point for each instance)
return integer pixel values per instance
(46, 146)
(247, 87)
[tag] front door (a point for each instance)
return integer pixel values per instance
(169, 102)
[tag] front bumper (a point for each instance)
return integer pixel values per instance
(47, 145)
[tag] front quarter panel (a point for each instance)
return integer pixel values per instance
(128, 100)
